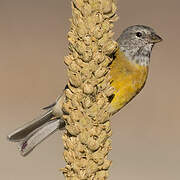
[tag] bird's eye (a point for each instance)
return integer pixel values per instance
(138, 34)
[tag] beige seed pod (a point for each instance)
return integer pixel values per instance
(107, 164)
(65, 142)
(87, 88)
(71, 37)
(79, 4)
(75, 55)
(109, 91)
(101, 175)
(100, 103)
(75, 79)
(86, 102)
(84, 122)
(74, 67)
(67, 119)
(73, 140)
(79, 47)
(73, 154)
(107, 147)
(73, 130)
(102, 84)
(110, 47)
(69, 144)
(106, 26)
(113, 19)
(86, 10)
(68, 59)
(79, 96)
(92, 144)
(92, 111)
(100, 96)
(87, 56)
(68, 93)
(76, 16)
(81, 63)
(93, 167)
(102, 42)
(82, 31)
(99, 18)
(107, 61)
(108, 77)
(101, 71)
(98, 32)
(73, 89)
(82, 163)
(93, 133)
(98, 157)
(98, 131)
(65, 170)
(95, 5)
(112, 13)
(106, 126)
(86, 73)
(83, 137)
(82, 175)
(80, 148)
(109, 133)
(67, 107)
(93, 65)
(76, 115)
(94, 46)
(68, 157)
(102, 117)
(76, 103)
(90, 23)
(102, 137)
(81, 25)
(98, 57)
(107, 6)
(87, 40)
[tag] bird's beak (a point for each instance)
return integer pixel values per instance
(154, 38)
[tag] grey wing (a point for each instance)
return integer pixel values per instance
(50, 106)
(23, 131)
(53, 110)
(34, 132)
(38, 135)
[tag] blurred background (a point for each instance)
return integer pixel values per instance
(33, 43)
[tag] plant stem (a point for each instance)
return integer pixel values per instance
(87, 137)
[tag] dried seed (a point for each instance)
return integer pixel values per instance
(88, 88)
(110, 47)
(107, 6)
(92, 144)
(101, 71)
(73, 130)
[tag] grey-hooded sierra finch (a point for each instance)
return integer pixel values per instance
(129, 70)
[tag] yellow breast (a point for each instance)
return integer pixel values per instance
(128, 78)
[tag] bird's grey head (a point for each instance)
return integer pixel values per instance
(137, 42)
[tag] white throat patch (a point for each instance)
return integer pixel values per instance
(137, 55)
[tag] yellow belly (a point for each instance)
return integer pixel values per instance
(128, 78)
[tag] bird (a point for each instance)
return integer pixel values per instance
(128, 69)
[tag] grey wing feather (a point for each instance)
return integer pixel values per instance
(50, 106)
(23, 131)
(38, 135)
(34, 132)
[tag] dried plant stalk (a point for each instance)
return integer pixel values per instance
(86, 140)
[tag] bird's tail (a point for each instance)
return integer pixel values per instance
(34, 132)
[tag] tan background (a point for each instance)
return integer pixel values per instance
(33, 42)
